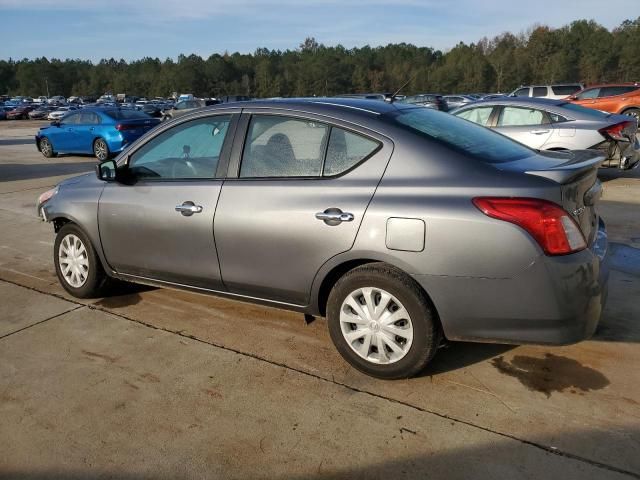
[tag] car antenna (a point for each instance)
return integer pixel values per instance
(392, 98)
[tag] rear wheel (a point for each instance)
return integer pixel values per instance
(101, 150)
(77, 264)
(46, 148)
(382, 323)
(633, 112)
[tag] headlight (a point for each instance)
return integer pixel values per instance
(46, 196)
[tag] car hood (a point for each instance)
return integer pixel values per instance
(85, 179)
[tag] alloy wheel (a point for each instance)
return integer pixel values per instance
(45, 147)
(73, 260)
(376, 325)
(101, 150)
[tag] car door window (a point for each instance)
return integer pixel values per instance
(71, 119)
(478, 115)
(346, 150)
(521, 92)
(283, 147)
(591, 93)
(187, 151)
(539, 91)
(516, 116)
(88, 118)
(181, 105)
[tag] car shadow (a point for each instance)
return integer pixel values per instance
(11, 172)
(457, 355)
(17, 141)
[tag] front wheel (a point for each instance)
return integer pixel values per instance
(46, 148)
(382, 322)
(77, 264)
(101, 150)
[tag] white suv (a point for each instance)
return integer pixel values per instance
(558, 91)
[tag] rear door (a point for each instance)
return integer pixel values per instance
(525, 125)
(611, 99)
(160, 225)
(298, 188)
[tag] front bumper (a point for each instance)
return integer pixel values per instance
(556, 300)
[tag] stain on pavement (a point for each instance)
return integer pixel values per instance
(553, 373)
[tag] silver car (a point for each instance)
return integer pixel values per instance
(559, 125)
(402, 225)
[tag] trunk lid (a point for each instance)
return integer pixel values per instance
(577, 174)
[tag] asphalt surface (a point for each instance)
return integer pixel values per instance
(154, 383)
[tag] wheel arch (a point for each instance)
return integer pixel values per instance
(338, 266)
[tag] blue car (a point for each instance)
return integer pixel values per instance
(102, 132)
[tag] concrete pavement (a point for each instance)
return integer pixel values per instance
(479, 411)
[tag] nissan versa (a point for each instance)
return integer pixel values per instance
(402, 225)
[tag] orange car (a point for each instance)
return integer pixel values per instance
(614, 98)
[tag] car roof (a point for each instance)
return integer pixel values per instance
(527, 101)
(327, 105)
(627, 84)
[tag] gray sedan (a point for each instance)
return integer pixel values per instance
(546, 124)
(402, 225)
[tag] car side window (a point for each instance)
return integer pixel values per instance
(283, 147)
(539, 91)
(181, 105)
(611, 91)
(479, 115)
(346, 150)
(586, 94)
(517, 116)
(189, 150)
(70, 119)
(522, 92)
(89, 118)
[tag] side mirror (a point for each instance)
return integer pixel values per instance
(107, 171)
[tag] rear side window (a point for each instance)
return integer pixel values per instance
(516, 116)
(556, 118)
(611, 91)
(346, 150)
(465, 137)
(565, 89)
(478, 115)
(283, 147)
(539, 91)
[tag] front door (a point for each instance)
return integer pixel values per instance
(301, 188)
(525, 125)
(85, 131)
(161, 225)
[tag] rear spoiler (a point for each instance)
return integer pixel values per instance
(582, 161)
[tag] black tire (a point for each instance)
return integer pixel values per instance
(46, 148)
(101, 150)
(633, 112)
(427, 332)
(97, 281)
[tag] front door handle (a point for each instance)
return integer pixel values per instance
(539, 132)
(188, 208)
(334, 216)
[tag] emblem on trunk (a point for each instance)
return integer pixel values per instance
(578, 211)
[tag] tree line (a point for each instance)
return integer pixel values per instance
(581, 51)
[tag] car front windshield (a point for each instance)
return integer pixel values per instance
(461, 135)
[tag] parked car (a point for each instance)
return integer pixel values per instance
(559, 125)
(19, 113)
(428, 100)
(181, 108)
(3, 114)
(558, 91)
(42, 112)
(60, 112)
(57, 100)
(457, 101)
(366, 96)
(102, 132)
(621, 98)
(41, 100)
(402, 225)
(152, 109)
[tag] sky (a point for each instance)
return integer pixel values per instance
(132, 29)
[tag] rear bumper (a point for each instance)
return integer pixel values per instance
(556, 300)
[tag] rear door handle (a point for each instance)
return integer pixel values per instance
(334, 216)
(188, 208)
(539, 132)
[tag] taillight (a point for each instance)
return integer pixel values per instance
(548, 223)
(125, 126)
(615, 131)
